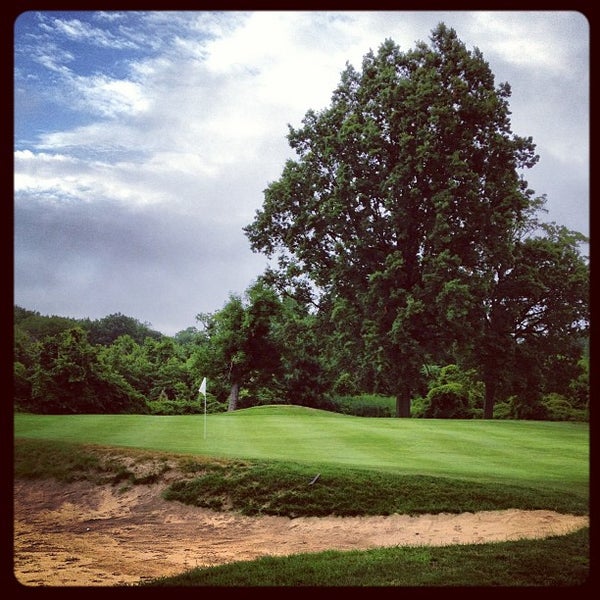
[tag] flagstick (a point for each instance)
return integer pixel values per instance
(202, 390)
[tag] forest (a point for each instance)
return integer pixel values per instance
(118, 365)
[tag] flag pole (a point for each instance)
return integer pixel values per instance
(202, 390)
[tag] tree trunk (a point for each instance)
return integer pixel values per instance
(233, 396)
(403, 403)
(490, 396)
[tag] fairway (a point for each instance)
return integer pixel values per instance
(552, 455)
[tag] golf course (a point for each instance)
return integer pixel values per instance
(293, 462)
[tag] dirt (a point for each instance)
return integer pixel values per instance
(81, 534)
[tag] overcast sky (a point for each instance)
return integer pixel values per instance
(144, 141)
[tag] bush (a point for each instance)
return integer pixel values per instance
(558, 408)
(525, 408)
(364, 405)
(345, 385)
(164, 406)
(22, 385)
(448, 401)
(260, 396)
(502, 410)
(417, 407)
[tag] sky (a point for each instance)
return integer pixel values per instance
(144, 141)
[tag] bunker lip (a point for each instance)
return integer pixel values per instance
(82, 534)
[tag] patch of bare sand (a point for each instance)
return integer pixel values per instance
(84, 535)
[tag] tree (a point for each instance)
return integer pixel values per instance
(404, 191)
(39, 326)
(127, 359)
(240, 339)
(106, 330)
(302, 378)
(537, 307)
(68, 378)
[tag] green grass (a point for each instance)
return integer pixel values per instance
(534, 454)
(281, 488)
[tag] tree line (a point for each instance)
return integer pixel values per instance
(259, 348)
(410, 260)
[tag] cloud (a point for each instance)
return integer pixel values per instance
(149, 264)
(533, 43)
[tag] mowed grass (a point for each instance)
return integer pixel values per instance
(532, 454)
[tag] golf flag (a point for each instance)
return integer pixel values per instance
(202, 390)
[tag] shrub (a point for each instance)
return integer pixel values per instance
(502, 410)
(164, 406)
(448, 401)
(364, 405)
(527, 408)
(558, 408)
(417, 407)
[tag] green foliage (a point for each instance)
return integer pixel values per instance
(302, 377)
(405, 238)
(579, 387)
(241, 341)
(550, 407)
(447, 401)
(21, 386)
(401, 191)
(164, 406)
(503, 410)
(260, 396)
(106, 330)
(527, 407)
(558, 408)
(406, 210)
(365, 405)
(453, 393)
(68, 378)
(38, 327)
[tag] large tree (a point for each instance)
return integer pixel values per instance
(404, 193)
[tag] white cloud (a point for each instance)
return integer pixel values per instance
(76, 30)
(108, 97)
(84, 180)
(528, 39)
